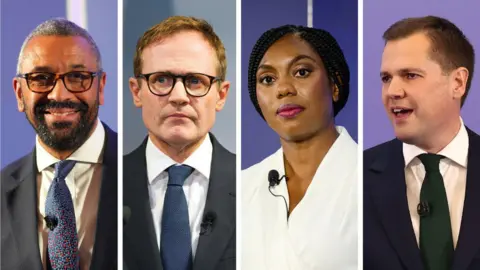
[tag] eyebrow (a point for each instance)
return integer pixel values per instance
(404, 71)
(75, 66)
(290, 63)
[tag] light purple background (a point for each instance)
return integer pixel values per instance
(378, 16)
(18, 19)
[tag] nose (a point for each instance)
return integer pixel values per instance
(178, 95)
(60, 92)
(285, 88)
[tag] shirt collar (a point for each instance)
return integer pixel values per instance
(342, 139)
(200, 159)
(456, 150)
(89, 152)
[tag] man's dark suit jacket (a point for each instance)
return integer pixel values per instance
(389, 241)
(216, 250)
(20, 248)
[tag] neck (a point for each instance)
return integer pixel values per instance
(64, 154)
(440, 140)
(178, 152)
(303, 158)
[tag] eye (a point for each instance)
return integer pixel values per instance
(41, 77)
(194, 80)
(161, 79)
(385, 78)
(411, 76)
(267, 80)
(78, 76)
(303, 73)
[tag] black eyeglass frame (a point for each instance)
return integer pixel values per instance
(62, 77)
(175, 77)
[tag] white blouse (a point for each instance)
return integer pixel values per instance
(321, 232)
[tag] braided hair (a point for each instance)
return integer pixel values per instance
(322, 42)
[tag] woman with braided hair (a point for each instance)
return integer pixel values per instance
(305, 216)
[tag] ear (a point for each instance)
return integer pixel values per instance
(101, 87)
(17, 87)
(135, 89)
(222, 95)
(459, 77)
(335, 92)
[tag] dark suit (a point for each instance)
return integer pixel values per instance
(20, 249)
(389, 240)
(215, 250)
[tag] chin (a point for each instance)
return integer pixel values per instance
(406, 137)
(181, 136)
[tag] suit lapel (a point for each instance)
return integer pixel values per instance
(105, 247)
(469, 237)
(220, 200)
(139, 232)
(389, 197)
(21, 206)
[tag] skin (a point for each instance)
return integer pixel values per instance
(413, 80)
(178, 123)
(291, 72)
(59, 54)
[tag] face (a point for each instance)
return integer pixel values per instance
(421, 100)
(294, 91)
(62, 119)
(179, 119)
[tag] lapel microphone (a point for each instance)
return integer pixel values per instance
(274, 180)
(423, 209)
(52, 222)
(206, 227)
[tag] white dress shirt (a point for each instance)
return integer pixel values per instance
(321, 232)
(454, 172)
(83, 182)
(195, 186)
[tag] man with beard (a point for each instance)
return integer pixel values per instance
(58, 203)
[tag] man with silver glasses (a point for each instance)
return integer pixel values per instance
(58, 203)
(179, 184)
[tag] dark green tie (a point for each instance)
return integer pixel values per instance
(436, 242)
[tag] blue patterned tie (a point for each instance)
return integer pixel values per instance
(60, 218)
(175, 244)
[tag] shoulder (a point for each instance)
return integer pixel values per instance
(137, 155)
(381, 150)
(17, 167)
(256, 175)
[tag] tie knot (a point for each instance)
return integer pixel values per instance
(178, 174)
(63, 167)
(431, 162)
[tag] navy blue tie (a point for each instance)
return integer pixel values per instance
(60, 218)
(175, 243)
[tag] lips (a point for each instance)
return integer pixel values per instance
(401, 113)
(289, 110)
(61, 111)
(178, 115)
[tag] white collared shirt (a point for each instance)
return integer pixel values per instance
(454, 172)
(83, 182)
(195, 186)
(321, 232)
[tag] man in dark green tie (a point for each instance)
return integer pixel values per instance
(421, 203)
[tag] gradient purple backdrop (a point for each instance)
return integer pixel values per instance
(338, 17)
(378, 16)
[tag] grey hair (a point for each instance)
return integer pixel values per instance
(60, 27)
